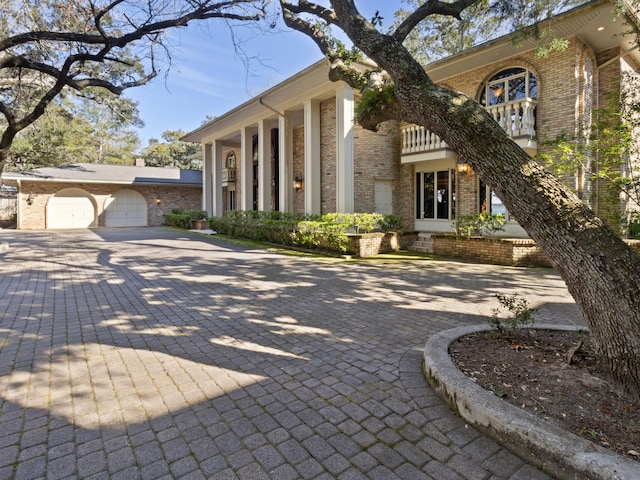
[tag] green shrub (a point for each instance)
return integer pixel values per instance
(326, 232)
(519, 314)
(195, 214)
(177, 220)
(391, 223)
(479, 224)
(321, 235)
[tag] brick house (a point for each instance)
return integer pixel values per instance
(95, 195)
(296, 146)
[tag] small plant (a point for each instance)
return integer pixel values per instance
(467, 225)
(479, 224)
(519, 314)
(490, 224)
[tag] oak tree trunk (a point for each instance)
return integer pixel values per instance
(600, 270)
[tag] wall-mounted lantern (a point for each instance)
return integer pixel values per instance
(462, 167)
(297, 184)
(30, 198)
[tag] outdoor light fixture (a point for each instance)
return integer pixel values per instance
(157, 201)
(30, 198)
(297, 183)
(462, 167)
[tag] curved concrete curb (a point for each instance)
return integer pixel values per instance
(553, 450)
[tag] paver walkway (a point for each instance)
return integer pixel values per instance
(150, 353)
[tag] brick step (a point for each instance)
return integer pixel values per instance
(423, 244)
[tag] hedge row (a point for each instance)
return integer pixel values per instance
(326, 232)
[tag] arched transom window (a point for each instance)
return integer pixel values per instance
(508, 86)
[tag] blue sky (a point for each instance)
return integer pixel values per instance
(207, 77)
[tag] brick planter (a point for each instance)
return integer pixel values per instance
(199, 224)
(371, 244)
(499, 251)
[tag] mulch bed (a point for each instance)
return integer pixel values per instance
(554, 375)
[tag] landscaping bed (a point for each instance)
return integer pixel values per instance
(553, 374)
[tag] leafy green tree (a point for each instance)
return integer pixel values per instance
(49, 48)
(438, 36)
(600, 270)
(77, 130)
(446, 35)
(173, 152)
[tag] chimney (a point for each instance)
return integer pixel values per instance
(139, 162)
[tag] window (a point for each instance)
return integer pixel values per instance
(231, 161)
(435, 195)
(509, 86)
(231, 199)
(489, 202)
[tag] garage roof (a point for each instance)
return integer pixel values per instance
(98, 173)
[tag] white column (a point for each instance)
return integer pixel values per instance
(246, 169)
(207, 184)
(312, 157)
(344, 150)
(264, 165)
(216, 179)
(285, 145)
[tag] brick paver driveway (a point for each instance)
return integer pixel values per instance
(150, 353)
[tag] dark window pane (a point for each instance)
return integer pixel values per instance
(482, 197)
(533, 86)
(496, 93)
(443, 194)
(418, 196)
(428, 189)
(517, 88)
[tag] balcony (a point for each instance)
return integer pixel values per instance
(228, 176)
(516, 118)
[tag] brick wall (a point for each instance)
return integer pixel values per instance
(376, 157)
(34, 216)
(514, 252)
(328, 155)
(371, 244)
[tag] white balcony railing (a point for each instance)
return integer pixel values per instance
(516, 118)
(228, 175)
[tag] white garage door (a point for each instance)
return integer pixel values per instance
(126, 208)
(71, 208)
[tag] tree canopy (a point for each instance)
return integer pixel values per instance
(438, 36)
(51, 47)
(172, 152)
(79, 130)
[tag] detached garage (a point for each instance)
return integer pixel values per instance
(91, 195)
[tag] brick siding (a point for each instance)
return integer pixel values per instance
(34, 216)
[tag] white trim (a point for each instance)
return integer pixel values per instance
(345, 118)
(207, 184)
(312, 157)
(264, 165)
(216, 178)
(246, 168)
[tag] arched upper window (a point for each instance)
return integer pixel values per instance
(508, 86)
(231, 161)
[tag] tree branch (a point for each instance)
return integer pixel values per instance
(431, 7)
